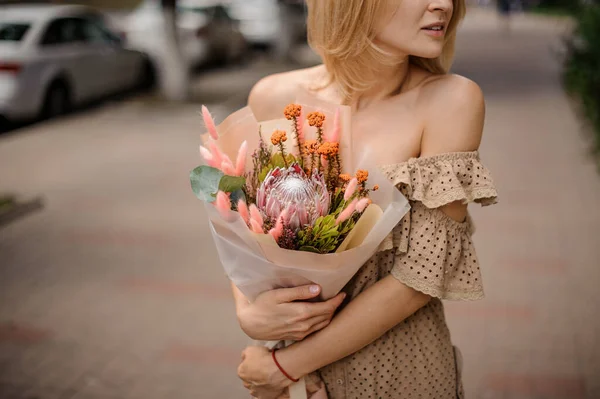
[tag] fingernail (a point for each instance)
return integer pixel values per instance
(314, 289)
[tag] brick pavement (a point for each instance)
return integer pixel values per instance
(113, 290)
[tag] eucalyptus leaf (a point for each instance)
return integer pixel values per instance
(205, 182)
(230, 184)
(237, 195)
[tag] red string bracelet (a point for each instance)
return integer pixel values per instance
(281, 368)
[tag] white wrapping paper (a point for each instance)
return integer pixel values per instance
(255, 268)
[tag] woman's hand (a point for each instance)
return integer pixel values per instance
(275, 315)
(260, 374)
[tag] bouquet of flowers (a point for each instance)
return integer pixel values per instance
(289, 201)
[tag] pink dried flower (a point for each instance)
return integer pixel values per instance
(216, 153)
(243, 210)
(209, 123)
(240, 165)
(277, 231)
(227, 168)
(223, 204)
(350, 189)
(362, 204)
(346, 213)
(208, 157)
(255, 214)
(255, 227)
(206, 154)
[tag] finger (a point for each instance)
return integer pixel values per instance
(301, 293)
(326, 307)
(302, 329)
(313, 321)
(318, 327)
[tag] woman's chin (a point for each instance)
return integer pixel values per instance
(431, 52)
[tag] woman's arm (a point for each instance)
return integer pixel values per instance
(375, 311)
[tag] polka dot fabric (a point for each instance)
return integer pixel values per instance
(441, 179)
(431, 253)
(440, 259)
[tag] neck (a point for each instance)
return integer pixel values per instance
(391, 80)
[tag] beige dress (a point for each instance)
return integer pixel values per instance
(431, 253)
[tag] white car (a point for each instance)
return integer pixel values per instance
(55, 57)
(260, 20)
(278, 25)
(205, 32)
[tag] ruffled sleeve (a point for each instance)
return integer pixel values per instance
(434, 253)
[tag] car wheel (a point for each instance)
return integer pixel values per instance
(4, 124)
(57, 101)
(147, 76)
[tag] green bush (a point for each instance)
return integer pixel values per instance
(557, 7)
(582, 67)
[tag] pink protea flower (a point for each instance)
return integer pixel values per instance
(304, 198)
(210, 123)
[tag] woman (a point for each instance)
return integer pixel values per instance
(387, 59)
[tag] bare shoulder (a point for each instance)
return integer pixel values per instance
(455, 113)
(271, 94)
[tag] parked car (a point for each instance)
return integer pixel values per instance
(260, 20)
(55, 57)
(275, 25)
(205, 31)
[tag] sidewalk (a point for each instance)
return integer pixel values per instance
(114, 290)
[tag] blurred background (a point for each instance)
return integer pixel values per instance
(110, 286)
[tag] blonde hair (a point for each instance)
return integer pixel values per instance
(343, 33)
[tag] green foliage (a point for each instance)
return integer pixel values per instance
(582, 67)
(325, 235)
(556, 8)
(205, 182)
(337, 202)
(230, 184)
(277, 160)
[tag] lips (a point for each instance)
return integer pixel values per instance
(435, 27)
